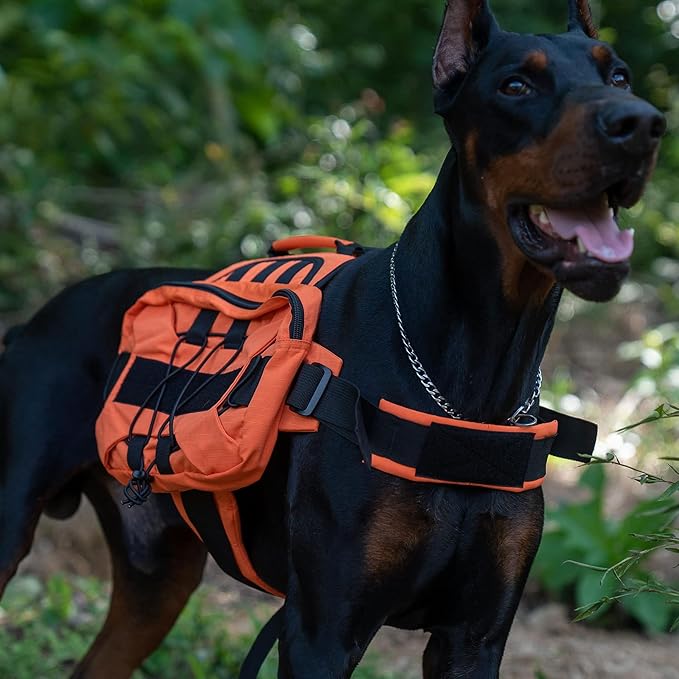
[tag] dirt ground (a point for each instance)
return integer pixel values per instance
(542, 638)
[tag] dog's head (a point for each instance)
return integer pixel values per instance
(551, 139)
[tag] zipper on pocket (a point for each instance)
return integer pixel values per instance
(297, 311)
(296, 306)
(223, 294)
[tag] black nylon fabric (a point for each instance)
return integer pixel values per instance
(146, 373)
(199, 330)
(576, 437)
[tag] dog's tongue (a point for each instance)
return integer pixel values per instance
(596, 228)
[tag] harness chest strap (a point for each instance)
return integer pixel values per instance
(409, 444)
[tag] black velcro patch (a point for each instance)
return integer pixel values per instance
(469, 456)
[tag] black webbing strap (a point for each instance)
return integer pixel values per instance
(236, 334)
(576, 437)
(164, 447)
(198, 332)
(262, 645)
(242, 393)
(481, 457)
(135, 451)
(338, 405)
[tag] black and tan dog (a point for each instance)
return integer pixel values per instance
(548, 142)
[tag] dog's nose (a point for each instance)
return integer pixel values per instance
(633, 126)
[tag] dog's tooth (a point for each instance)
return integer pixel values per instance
(611, 212)
(581, 246)
(544, 219)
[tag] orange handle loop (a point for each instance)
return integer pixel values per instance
(306, 242)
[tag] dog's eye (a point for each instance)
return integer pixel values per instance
(515, 87)
(621, 79)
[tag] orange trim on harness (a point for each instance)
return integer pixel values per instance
(388, 466)
(542, 431)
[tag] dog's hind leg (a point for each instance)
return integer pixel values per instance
(157, 564)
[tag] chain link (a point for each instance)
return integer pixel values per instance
(520, 416)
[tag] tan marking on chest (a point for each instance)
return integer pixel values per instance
(514, 543)
(397, 527)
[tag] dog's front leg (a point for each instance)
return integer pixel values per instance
(496, 549)
(333, 607)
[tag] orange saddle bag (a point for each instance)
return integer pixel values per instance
(197, 396)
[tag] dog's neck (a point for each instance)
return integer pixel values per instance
(481, 350)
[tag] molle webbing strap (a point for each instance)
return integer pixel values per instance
(164, 448)
(235, 336)
(198, 332)
(456, 452)
(209, 387)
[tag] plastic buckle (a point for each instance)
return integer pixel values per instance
(318, 391)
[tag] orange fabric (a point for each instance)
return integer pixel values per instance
(230, 516)
(388, 466)
(217, 451)
(221, 449)
(318, 265)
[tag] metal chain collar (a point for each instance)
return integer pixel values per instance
(522, 414)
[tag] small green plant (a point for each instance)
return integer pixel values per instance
(581, 542)
(46, 627)
(628, 588)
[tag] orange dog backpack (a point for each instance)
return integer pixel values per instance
(198, 393)
(210, 372)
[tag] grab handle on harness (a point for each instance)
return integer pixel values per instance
(342, 247)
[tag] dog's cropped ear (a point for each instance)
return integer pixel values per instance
(466, 30)
(580, 18)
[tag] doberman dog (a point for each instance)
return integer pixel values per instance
(548, 142)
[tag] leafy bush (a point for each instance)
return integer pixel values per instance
(580, 543)
(189, 131)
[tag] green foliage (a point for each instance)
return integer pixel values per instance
(629, 589)
(190, 132)
(580, 542)
(46, 628)
(658, 352)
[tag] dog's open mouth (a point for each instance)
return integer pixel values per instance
(581, 244)
(579, 235)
